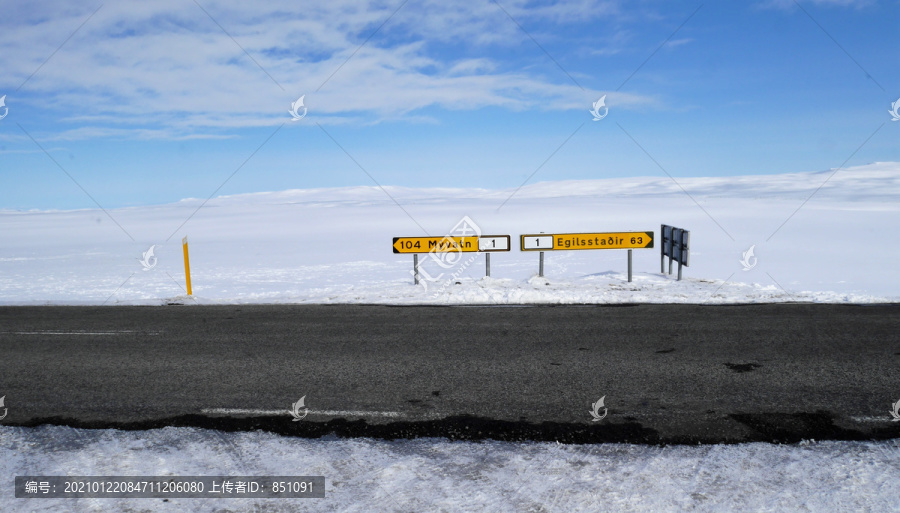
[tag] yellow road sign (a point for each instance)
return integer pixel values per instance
(564, 241)
(435, 244)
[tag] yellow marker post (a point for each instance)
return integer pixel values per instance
(187, 264)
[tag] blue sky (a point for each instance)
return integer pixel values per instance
(139, 103)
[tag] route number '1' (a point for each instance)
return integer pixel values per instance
(542, 242)
(493, 243)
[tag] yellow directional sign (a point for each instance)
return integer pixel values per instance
(435, 244)
(563, 241)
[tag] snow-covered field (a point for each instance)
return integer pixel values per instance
(433, 475)
(819, 236)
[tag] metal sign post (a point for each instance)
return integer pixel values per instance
(538, 242)
(676, 245)
(662, 249)
(683, 252)
(570, 241)
(629, 265)
(490, 243)
(416, 268)
(670, 248)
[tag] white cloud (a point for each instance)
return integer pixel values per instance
(791, 4)
(165, 69)
(678, 42)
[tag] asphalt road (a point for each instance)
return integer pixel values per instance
(669, 373)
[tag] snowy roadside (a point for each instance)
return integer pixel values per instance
(606, 288)
(438, 475)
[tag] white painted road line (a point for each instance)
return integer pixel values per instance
(331, 413)
(361, 413)
(885, 418)
(116, 332)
